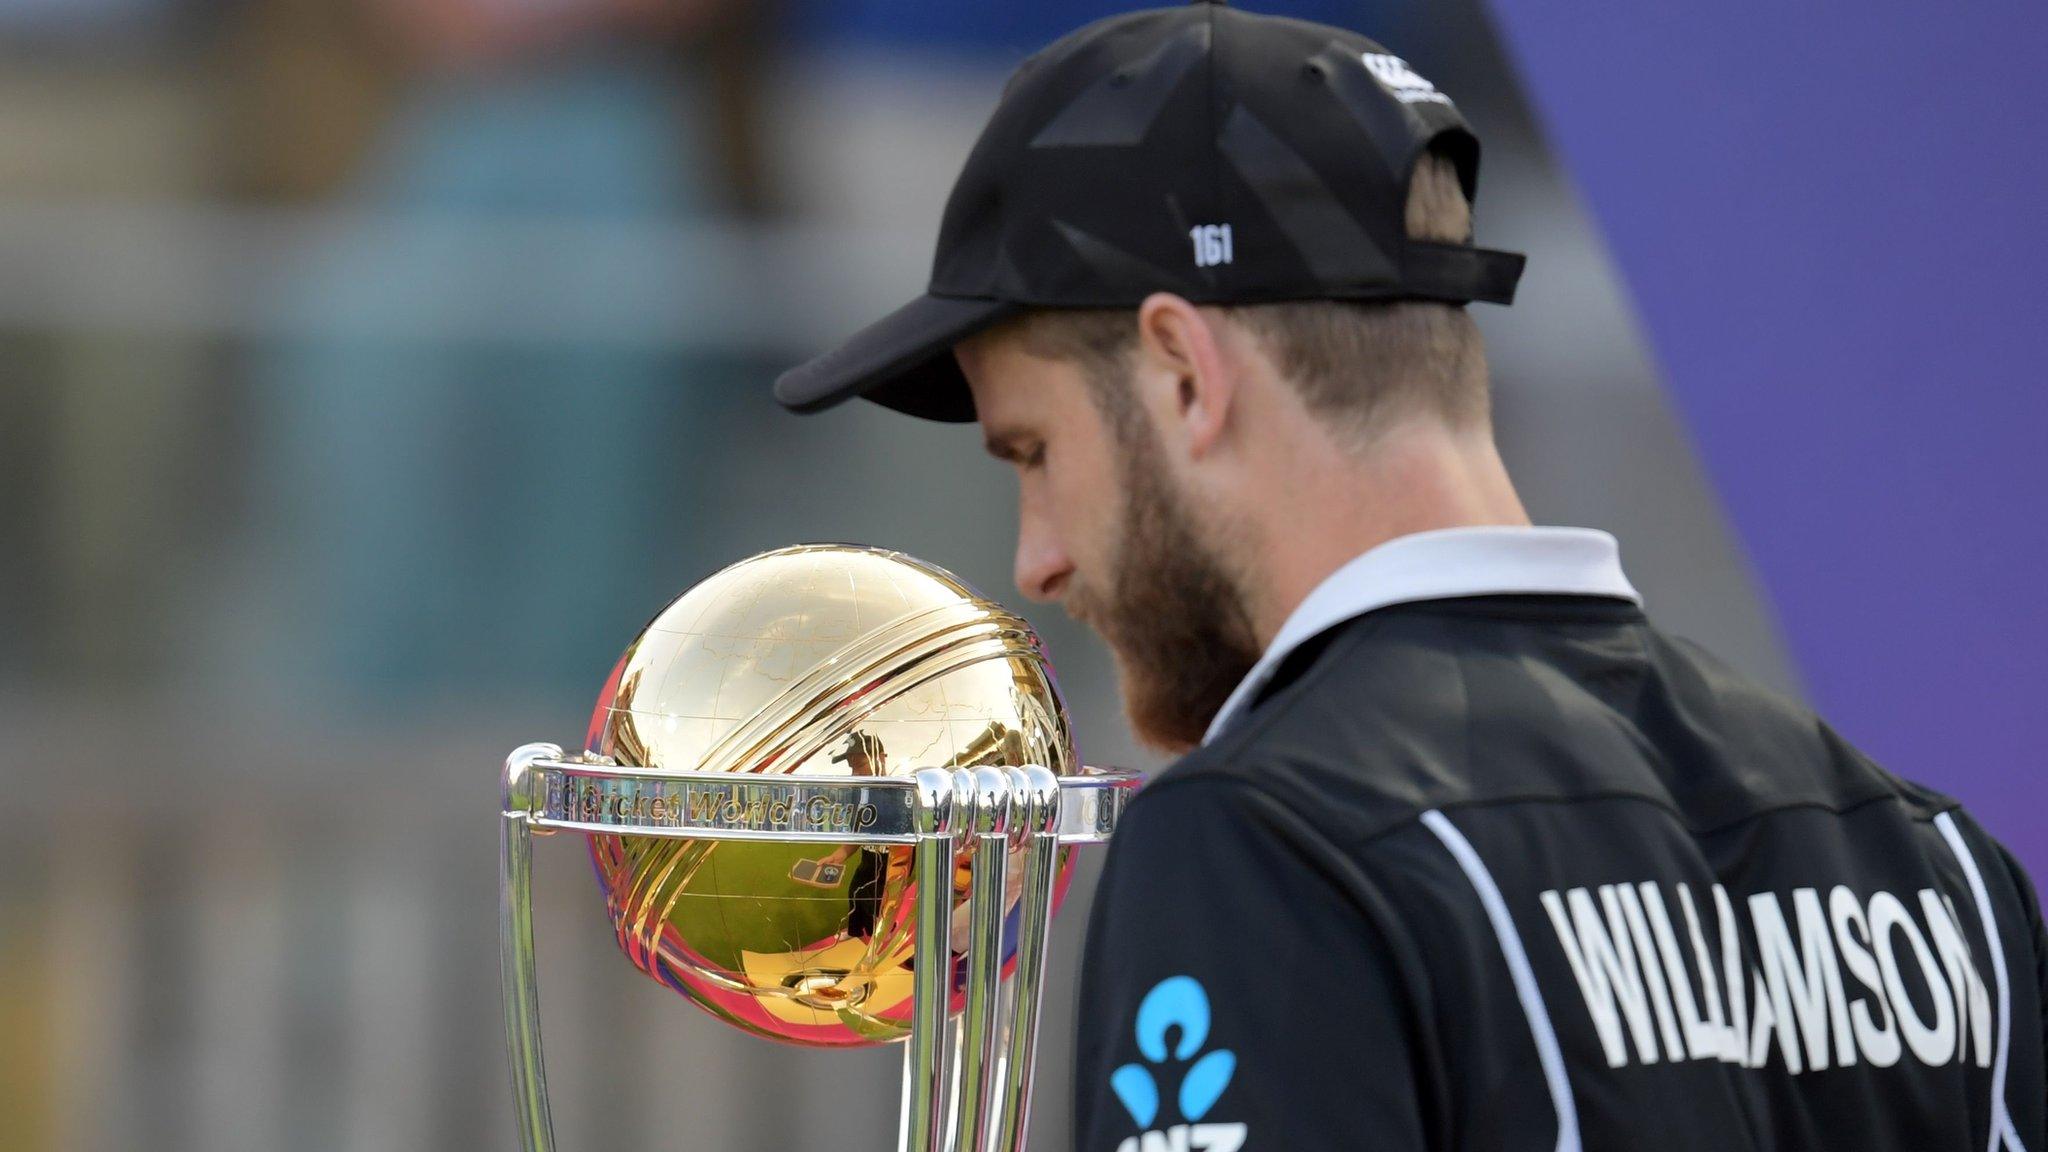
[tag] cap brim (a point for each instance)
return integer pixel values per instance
(902, 361)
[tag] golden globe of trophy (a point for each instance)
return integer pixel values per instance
(829, 792)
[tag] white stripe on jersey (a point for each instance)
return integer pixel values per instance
(2002, 1129)
(1526, 990)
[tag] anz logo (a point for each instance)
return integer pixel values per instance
(1177, 1002)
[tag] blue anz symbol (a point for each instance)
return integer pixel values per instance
(1177, 1002)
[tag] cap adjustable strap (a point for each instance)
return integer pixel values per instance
(1460, 272)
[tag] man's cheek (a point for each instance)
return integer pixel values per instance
(1090, 530)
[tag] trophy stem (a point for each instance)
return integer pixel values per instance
(515, 949)
(1041, 797)
(979, 1026)
(932, 980)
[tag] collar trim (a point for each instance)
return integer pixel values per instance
(1440, 565)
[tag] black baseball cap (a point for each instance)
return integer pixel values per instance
(1227, 157)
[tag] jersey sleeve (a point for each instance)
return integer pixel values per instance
(1230, 985)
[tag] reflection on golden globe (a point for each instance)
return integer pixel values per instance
(825, 659)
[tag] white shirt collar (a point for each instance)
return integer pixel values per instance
(1438, 565)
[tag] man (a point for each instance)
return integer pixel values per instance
(1462, 852)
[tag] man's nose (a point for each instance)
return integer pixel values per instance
(1042, 566)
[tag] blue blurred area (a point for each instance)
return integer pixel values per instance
(1018, 29)
(413, 483)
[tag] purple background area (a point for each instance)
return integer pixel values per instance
(1834, 221)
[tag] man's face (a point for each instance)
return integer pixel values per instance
(1102, 530)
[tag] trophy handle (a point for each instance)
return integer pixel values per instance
(515, 949)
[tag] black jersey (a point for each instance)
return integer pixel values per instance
(1523, 872)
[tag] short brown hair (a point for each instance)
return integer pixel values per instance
(1357, 363)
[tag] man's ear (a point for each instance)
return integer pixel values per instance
(1183, 371)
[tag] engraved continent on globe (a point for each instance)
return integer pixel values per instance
(822, 659)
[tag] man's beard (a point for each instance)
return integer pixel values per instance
(1171, 614)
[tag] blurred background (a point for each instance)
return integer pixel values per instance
(371, 370)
